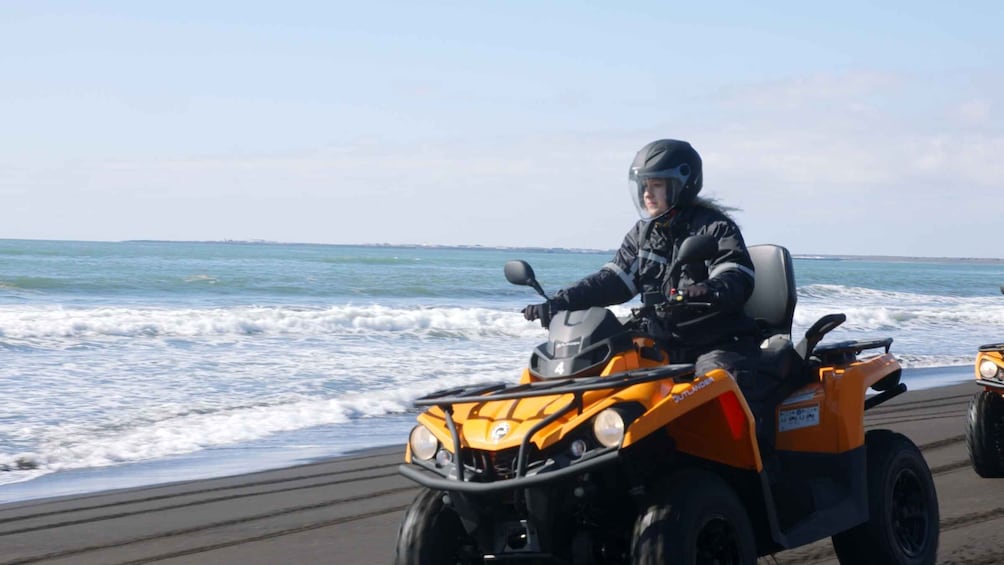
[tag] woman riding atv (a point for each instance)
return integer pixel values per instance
(614, 448)
(664, 181)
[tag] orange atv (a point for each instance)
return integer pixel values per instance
(985, 423)
(607, 452)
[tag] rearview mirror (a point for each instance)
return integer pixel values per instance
(519, 272)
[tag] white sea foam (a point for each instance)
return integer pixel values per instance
(100, 386)
(931, 323)
(959, 319)
(105, 386)
(29, 322)
(175, 352)
(911, 361)
(153, 436)
(25, 322)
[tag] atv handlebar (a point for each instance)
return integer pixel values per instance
(693, 303)
(673, 302)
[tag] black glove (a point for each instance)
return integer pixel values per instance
(700, 292)
(540, 312)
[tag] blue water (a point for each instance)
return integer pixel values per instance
(199, 359)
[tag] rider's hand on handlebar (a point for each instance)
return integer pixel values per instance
(540, 312)
(697, 291)
(697, 294)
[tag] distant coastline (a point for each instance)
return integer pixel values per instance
(800, 256)
(898, 258)
(383, 245)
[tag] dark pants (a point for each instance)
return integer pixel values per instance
(740, 358)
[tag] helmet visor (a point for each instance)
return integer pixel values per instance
(653, 199)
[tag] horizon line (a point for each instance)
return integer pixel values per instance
(804, 256)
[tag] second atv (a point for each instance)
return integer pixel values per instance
(985, 418)
(608, 452)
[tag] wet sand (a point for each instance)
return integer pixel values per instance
(346, 510)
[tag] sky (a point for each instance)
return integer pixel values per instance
(865, 128)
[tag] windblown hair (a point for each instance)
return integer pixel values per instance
(712, 203)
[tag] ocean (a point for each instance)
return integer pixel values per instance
(133, 363)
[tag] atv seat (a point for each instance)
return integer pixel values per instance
(785, 365)
(772, 305)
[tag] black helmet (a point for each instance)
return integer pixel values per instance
(670, 159)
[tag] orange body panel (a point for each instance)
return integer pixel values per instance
(706, 417)
(477, 420)
(828, 416)
(721, 430)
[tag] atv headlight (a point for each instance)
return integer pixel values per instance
(608, 427)
(989, 369)
(423, 443)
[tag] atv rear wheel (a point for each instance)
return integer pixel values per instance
(903, 507)
(431, 534)
(985, 434)
(697, 520)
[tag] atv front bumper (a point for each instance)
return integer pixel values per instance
(432, 479)
(996, 385)
(458, 478)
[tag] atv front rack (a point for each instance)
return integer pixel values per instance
(446, 399)
(683, 372)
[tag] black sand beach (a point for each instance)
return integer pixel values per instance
(347, 510)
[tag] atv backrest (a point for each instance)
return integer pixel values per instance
(772, 304)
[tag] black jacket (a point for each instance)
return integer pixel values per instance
(642, 266)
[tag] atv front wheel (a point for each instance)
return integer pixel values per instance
(902, 527)
(431, 534)
(985, 434)
(697, 520)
